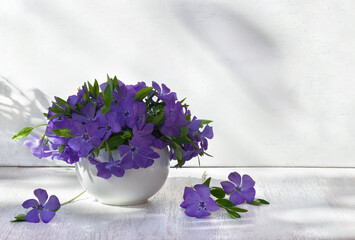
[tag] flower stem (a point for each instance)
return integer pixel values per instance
(71, 200)
(44, 124)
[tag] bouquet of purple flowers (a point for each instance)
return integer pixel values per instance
(133, 119)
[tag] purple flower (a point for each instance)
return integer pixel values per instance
(38, 146)
(175, 118)
(202, 136)
(198, 202)
(164, 93)
(40, 207)
(140, 154)
(87, 114)
(74, 99)
(242, 189)
(68, 155)
(193, 126)
(125, 112)
(108, 124)
(86, 138)
(107, 169)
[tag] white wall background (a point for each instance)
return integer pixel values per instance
(277, 77)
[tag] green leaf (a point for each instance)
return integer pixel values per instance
(205, 153)
(115, 83)
(126, 134)
(61, 148)
(63, 132)
(182, 100)
(96, 151)
(218, 192)
(232, 214)
(204, 122)
(115, 141)
(63, 102)
(225, 203)
(61, 110)
(237, 209)
(96, 89)
(55, 116)
(156, 120)
(178, 153)
(256, 202)
(262, 201)
(143, 93)
(23, 133)
(207, 182)
(45, 114)
(105, 110)
(110, 83)
(187, 117)
(107, 96)
(19, 218)
(55, 110)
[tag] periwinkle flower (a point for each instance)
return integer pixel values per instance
(241, 188)
(38, 146)
(202, 137)
(164, 93)
(87, 114)
(113, 167)
(197, 201)
(125, 112)
(86, 138)
(175, 118)
(108, 124)
(40, 208)
(137, 152)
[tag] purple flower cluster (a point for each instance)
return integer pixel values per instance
(132, 119)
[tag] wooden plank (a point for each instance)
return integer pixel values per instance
(305, 204)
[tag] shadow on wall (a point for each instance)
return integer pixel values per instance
(250, 53)
(253, 60)
(19, 109)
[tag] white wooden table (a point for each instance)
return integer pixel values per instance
(306, 203)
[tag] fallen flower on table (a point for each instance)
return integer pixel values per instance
(198, 203)
(42, 209)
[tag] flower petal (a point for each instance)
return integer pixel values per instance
(187, 192)
(247, 182)
(75, 143)
(89, 110)
(203, 191)
(123, 149)
(185, 204)
(117, 171)
(191, 196)
(192, 210)
(46, 216)
(227, 186)
(211, 205)
(30, 203)
(52, 204)
(248, 194)
(42, 195)
(32, 216)
(203, 213)
(235, 178)
(236, 198)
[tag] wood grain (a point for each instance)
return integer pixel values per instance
(305, 204)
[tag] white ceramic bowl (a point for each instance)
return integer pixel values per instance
(136, 186)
